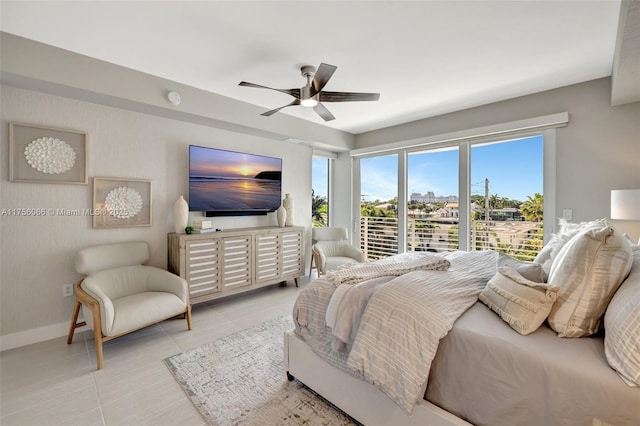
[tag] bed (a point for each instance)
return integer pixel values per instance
(483, 371)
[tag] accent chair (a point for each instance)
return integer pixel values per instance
(120, 294)
(332, 249)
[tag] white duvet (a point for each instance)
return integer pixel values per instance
(405, 319)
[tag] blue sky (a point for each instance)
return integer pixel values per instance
(205, 161)
(320, 176)
(514, 170)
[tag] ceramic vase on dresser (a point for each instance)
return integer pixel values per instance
(180, 215)
(287, 203)
(281, 215)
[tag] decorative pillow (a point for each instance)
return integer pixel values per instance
(531, 271)
(522, 303)
(622, 327)
(588, 270)
(567, 231)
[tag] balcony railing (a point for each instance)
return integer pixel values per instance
(379, 236)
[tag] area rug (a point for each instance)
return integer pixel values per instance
(240, 380)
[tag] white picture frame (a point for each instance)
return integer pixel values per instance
(39, 154)
(121, 202)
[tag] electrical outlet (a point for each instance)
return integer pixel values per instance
(567, 214)
(67, 290)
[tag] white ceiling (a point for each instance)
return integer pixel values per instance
(425, 57)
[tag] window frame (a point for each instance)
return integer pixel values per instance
(545, 126)
(330, 157)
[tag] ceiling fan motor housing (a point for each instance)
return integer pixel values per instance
(305, 92)
(308, 70)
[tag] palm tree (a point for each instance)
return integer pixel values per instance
(533, 208)
(318, 213)
(495, 201)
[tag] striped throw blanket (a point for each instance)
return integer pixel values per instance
(405, 319)
(394, 266)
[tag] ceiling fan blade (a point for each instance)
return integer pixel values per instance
(323, 112)
(348, 97)
(322, 76)
(293, 92)
(273, 111)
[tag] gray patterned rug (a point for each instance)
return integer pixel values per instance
(240, 380)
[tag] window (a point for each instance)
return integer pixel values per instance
(320, 191)
(507, 200)
(469, 196)
(432, 204)
(379, 206)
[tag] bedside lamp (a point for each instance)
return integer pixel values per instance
(625, 205)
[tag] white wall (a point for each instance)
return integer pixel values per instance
(37, 253)
(342, 195)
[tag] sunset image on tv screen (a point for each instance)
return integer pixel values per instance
(222, 180)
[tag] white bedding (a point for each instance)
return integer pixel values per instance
(392, 266)
(405, 320)
(488, 374)
(430, 300)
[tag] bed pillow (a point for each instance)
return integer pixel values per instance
(567, 230)
(521, 303)
(531, 271)
(622, 326)
(588, 270)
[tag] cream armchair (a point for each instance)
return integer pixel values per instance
(120, 295)
(333, 249)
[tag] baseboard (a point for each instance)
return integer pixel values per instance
(35, 335)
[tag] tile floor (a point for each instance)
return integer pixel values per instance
(52, 383)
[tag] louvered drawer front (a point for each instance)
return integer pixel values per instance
(236, 261)
(203, 271)
(267, 256)
(291, 253)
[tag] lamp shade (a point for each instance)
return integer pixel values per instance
(625, 204)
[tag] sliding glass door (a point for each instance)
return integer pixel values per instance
(379, 206)
(484, 195)
(507, 202)
(433, 201)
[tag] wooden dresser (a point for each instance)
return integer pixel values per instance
(218, 264)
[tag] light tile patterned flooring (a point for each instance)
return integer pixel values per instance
(52, 383)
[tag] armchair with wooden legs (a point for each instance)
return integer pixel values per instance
(120, 294)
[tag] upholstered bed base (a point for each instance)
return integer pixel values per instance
(359, 399)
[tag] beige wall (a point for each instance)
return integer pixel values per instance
(598, 151)
(37, 254)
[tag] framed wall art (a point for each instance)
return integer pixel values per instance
(40, 154)
(121, 202)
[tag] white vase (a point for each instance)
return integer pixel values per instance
(180, 215)
(288, 205)
(281, 214)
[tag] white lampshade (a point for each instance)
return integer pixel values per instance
(625, 204)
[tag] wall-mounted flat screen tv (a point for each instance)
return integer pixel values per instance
(233, 183)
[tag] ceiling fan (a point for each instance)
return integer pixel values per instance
(312, 95)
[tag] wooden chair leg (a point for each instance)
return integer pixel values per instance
(188, 316)
(296, 279)
(97, 335)
(74, 320)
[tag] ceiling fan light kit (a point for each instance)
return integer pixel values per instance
(311, 95)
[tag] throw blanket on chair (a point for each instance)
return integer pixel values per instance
(405, 319)
(389, 267)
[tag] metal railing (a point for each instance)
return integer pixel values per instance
(379, 236)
